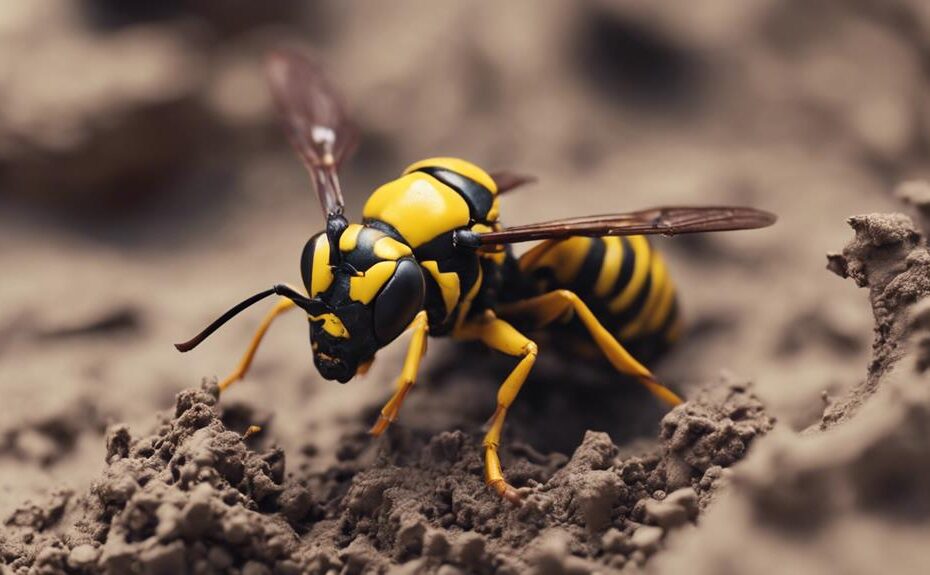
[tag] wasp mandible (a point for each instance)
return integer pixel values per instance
(431, 256)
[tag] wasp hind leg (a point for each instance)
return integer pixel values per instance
(408, 374)
(282, 306)
(501, 336)
(551, 306)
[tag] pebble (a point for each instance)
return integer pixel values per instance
(83, 556)
(647, 538)
(665, 514)
(471, 549)
(255, 568)
(615, 541)
(686, 498)
(219, 558)
(435, 544)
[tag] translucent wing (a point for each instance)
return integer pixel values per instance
(668, 221)
(315, 121)
(507, 181)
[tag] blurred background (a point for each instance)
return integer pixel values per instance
(145, 185)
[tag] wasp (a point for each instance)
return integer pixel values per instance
(430, 256)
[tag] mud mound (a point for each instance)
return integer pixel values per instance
(193, 495)
(862, 475)
(189, 494)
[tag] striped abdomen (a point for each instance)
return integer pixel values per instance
(622, 279)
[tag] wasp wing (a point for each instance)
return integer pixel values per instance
(315, 121)
(507, 180)
(668, 221)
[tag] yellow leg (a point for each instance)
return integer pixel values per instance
(408, 374)
(283, 305)
(553, 305)
(501, 336)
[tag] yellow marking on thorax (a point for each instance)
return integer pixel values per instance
(448, 282)
(641, 250)
(387, 248)
(331, 325)
(657, 285)
(418, 206)
(495, 210)
(365, 287)
(465, 305)
(322, 275)
(459, 166)
(610, 266)
(349, 238)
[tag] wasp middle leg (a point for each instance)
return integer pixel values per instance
(408, 374)
(503, 337)
(282, 306)
(554, 305)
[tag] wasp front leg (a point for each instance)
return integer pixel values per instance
(282, 306)
(408, 375)
(549, 307)
(501, 336)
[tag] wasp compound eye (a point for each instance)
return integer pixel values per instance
(399, 301)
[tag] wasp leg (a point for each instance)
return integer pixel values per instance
(501, 336)
(408, 374)
(549, 307)
(283, 305)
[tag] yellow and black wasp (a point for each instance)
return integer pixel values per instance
(431, 256)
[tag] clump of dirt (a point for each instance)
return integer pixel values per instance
(862, 475)
(193, 495)
(889, 256)
(607, 507)
(190, 493)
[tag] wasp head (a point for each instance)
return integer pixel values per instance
(371, 290)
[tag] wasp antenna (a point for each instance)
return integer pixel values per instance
(195, 341)
(313, 306)
(335, 225)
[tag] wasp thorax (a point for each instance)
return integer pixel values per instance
(373, 288)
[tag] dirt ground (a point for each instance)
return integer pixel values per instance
(144, 187)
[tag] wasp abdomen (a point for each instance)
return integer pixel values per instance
(623, 280)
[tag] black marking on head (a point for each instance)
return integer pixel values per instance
(338, 358)
(337, 294)
(478, 197)
(399, 301)
(385, 227)
(335, 226)
(363, 255)
(306, 261)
